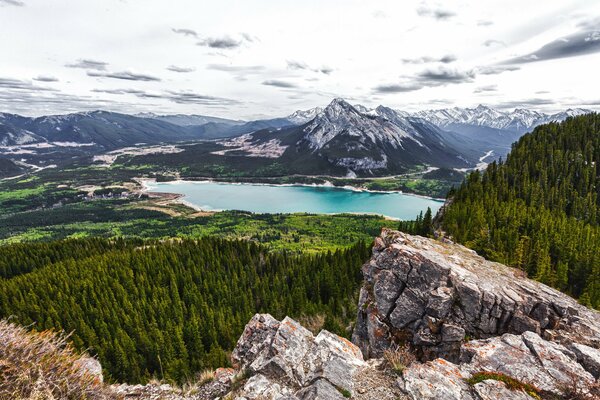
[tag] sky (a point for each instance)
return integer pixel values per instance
(252, 59)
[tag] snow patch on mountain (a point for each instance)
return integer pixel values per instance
(519, 120)
(269, 149)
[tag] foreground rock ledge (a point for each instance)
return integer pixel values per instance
(436, 295)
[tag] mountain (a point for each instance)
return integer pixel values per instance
(11, 134)
(489, 129)
(539, 210)
(518, 121)
(102, 129)
(342, 140)
(303, 116)
(9, 168)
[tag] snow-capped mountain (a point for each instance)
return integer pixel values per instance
(343, 140)
(303, 116)
(520, 120)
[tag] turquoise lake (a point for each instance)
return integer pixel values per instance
(213, 196)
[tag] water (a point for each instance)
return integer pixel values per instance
(214, 196)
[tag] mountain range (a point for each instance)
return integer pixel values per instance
(341, 138)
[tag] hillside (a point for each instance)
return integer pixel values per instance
(171, 308)
(539, 210)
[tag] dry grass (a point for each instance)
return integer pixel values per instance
(36, 366)
(399, 358)
(202, 378)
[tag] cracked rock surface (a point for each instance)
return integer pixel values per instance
(439, 296)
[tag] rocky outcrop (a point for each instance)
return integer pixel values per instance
(437, 295)
(286, 361)
(467, 315)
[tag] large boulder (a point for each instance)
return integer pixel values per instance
(464, 316)
(437, 294)
(285, 360)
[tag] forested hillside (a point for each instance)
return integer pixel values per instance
(540, 209)
(170, 308)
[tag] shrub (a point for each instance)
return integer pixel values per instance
(399, 358)
(44, 366)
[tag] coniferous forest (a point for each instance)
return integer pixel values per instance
(170, 308)
(540, 209)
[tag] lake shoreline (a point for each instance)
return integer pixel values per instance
(144, 181)
(148, 187)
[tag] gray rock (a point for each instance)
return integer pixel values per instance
(495, 390)
(447, 285)
(452, 333)
(259, 387)
(527, 358)
(287, 361)
(90, 366)
(438, 379)
(588, 357)
(320, 390)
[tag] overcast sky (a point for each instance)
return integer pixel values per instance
(254, 58)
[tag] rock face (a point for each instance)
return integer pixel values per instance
(285, 360)
(437, 294)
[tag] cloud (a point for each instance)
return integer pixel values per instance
(299, 65)
(175, 68)
(398, 87)
(188, 97)
(577, 44)
(426, 59)
(485, 23)
(179, 97)
(185, 32)
(292, 64)
(445, 75)
(140, 93)
(431, 77)
(525, 103)
(223, 42)
(16, 3)
(486, 89)
(124, 75)
(493, 42)
(496, 69)
(437, 12)
(279, 83)
(88, 64)
(249, 38)
(236, 68)
(45, 78)
(19, 85)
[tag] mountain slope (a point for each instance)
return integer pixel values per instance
(539, 210)
(342, 140)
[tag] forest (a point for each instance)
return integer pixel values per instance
(171, 308)
(539, 210)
